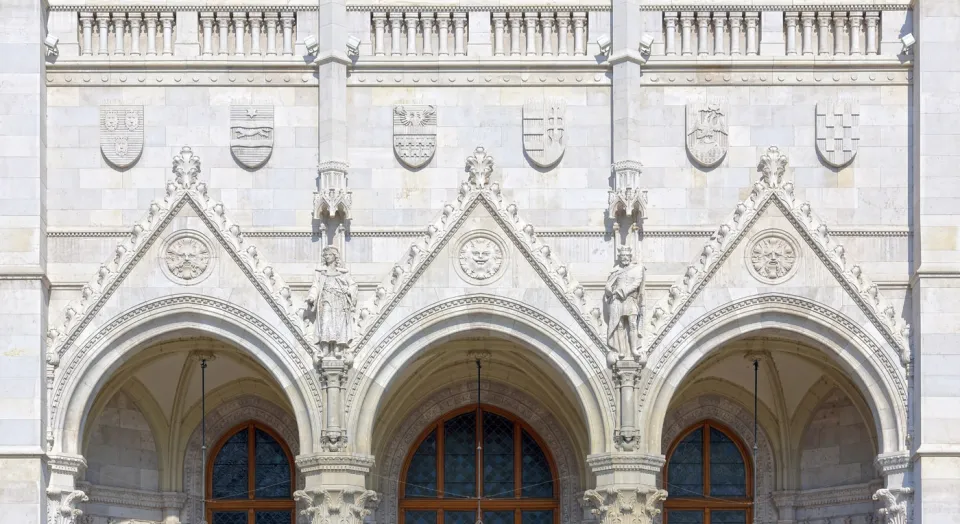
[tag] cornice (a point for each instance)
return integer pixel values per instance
(334, 462)
(168, 8)
(485, 8)
(607, 462)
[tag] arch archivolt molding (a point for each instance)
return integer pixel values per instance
(881, 380)
(740, 421)
(219, 421)
(569, 462)
(90, 365)
(447, 320)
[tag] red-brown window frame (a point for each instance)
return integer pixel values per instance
(251, 504)
(706, 503)
(517, 504)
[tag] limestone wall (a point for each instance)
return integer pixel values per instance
(836, 448)
(121, 450)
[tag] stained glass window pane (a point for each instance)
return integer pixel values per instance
(460, 456)
(230, 468)
(498, 517)
(537, 517)
(727, 517)
(685, 472)
(420, 517)
(272, 474)
(422, 473)
(536, 477)
(460, 517)
(498, 478)
(273, 517)
(728, 476)
(229, 517)
(684, 517)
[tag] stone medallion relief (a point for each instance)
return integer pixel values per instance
(186, 258)
(773, 257)
(480, 258)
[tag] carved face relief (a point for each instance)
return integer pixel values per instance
(481, 258)
(773, 258)
(186, 258)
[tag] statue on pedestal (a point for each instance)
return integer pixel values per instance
(623, 308)
(331, 303)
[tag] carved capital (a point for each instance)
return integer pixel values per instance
(626, 506)
(346, 507)
(62, 505)
(895, 504)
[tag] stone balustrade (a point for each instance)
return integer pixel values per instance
(814, 33)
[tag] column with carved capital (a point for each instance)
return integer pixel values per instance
(626, 373)
(335, 488)
(626, 491)
(333, 374)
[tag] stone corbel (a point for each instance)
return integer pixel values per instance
(624, 506)
(786, 502)
(63, 497)
(333, 372)
(895, 505)
(345, 507)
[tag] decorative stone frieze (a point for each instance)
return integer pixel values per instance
(773, 188)
(624, 506)
(344, 507)
(894, 504)
(707, 131)
(121, 134)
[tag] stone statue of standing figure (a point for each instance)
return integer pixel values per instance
(623, 308)
(331, 303)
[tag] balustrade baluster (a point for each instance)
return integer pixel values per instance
(823, 34)
(86, 29)
(703, 26)
(719, 30)
(753, 21)
(807, 20)
(579, 33)
(134, 20)
(736, 28)
(271, 20)
(670, 33)
(396, 20)
(856, 22)
(839, 22)
(119, 21)
(686, 34)
(563, 25)
(411, 19)
(103, 22)
(255, 24)
(426, 22)
(286, 20)
(531, 19)
(443, 33)
(459, 34)
(499, 22)
(546, 24)
(151, 20)
(790, 19)
(239, 30)
(223, 28)
(873, 21)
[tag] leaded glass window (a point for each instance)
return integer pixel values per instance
(250, 478)
(484, 457)
(708, 478)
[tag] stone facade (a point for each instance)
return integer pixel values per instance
(173, 174)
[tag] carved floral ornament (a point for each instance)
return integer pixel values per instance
(186, 258)
(772, 257)
(772, 187)
(480, 258)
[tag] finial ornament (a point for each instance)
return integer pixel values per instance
(480, 167)
(773, 166)
(186, 168)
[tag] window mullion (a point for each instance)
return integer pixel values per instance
(517, 461)
(479, 452)
(251, 461)
(706, 460)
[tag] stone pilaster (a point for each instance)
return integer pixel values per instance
(335, 488)
(23, 259)
(935, 284)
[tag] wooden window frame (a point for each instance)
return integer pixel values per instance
(516, 503)
(706, 504)
(251, 504)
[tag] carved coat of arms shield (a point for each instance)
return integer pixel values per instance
(544, 130)
(415, 133)
(121, 134)
(251, 134)
(707, 131)
(838, 132)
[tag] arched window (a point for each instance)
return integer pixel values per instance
(513, 475)
(709, 478)
(250, 479)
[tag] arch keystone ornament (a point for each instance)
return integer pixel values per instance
(251, 134)
(707, 131)
(544, 130)
(121, 134)
(415, 133)
(838, 132)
